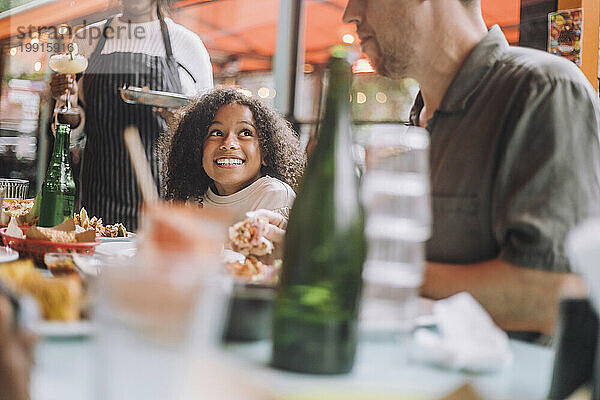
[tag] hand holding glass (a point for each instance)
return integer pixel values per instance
(67, 63)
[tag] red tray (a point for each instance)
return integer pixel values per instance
(30, 248)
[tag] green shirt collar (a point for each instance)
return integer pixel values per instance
(470, 75)
(473, 71)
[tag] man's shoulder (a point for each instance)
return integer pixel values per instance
(541, 67)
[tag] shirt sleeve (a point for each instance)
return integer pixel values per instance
(191, 53)
(278, 199)
(549, 174)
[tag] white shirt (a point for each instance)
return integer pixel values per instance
(146, 38)
(267, 192)
(188, 50)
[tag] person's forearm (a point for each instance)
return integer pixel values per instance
(517, 298)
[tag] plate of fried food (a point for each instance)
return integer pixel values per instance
(20, 209)
(34, 242)
(105, 233)
(61, 300)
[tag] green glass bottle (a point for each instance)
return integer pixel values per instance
(58, 189)
(316, 308)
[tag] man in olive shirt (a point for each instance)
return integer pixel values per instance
(514, 153)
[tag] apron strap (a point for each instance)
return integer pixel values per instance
(167, 42)
(166, 37)
(102, 40)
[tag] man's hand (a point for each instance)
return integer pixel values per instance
(517, 298)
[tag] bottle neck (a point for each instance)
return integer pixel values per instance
(60, 154)
(337, 112)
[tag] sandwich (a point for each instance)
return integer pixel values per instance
(248, 237)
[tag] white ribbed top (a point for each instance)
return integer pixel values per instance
(267, 192)
(146, 38)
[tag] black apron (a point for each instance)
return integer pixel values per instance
(109, 188)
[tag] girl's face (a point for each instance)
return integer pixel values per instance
(231, 156)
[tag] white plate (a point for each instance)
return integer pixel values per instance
(59, 329)
(130, 238)
(7, 254)
(127, 249)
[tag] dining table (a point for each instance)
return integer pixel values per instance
(66, 369)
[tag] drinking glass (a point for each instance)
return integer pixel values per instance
(69, 64)
(153, 322)
(395, 192)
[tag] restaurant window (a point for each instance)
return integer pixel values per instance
(23, 96)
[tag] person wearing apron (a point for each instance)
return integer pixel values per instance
(108, 184)
(109, 188)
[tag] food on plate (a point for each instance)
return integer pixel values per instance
(250, 268)
(25, 211)
(59, 298)
(60, 264)
(83, 220)
(16, 207)
(253, 270)
(116, 230)
(248, 237)
(60, 235)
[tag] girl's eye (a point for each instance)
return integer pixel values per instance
(246, 132)
(215, 133)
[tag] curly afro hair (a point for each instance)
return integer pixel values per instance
(181, 149)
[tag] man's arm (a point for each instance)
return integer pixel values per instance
(517, 298)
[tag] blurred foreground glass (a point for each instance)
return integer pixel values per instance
(153, 322)
(160, 312)
(396, 196)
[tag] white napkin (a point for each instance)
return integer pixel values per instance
(468, 339)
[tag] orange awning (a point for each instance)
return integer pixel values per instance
(245, 29)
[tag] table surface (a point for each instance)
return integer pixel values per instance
(65, 370)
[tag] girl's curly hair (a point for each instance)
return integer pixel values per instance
(180, 151)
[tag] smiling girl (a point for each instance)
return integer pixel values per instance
(232, 151)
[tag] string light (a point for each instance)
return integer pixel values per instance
(37, 66)
(362, 66)
(361, 98)
(348, 38)
(381, 97)
(263, 92)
